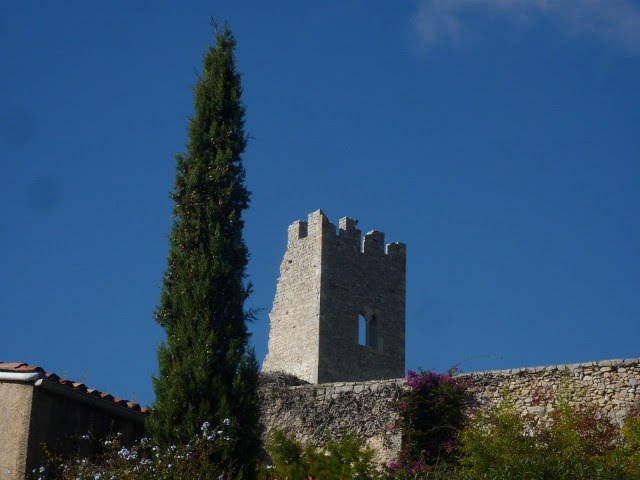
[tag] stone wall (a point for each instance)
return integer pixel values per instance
(313, 413)
(613, 385)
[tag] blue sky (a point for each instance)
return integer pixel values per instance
(499, 139)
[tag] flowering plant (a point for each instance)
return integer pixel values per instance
(145, 460)
(432, 412)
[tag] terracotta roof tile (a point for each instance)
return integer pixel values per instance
(19, 367)
(80, 387)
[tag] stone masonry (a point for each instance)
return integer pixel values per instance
(611, 385)
(327, 281)
(315, 413)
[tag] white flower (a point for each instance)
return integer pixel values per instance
(205, 426)
(124, 453)
(226, 421)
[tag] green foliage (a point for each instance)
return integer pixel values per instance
(631, 433)
(207, 372)
(577, 443)
(628, 454)
(338, 459)
(145, 461)
(577, 430)
(495, 437)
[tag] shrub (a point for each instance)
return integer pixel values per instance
(628, 453)
(577, 443)
(339, 459)
(145, 460)
(578, 430)
(495, 437)
(631, 432)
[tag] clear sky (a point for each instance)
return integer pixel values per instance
(499, 139)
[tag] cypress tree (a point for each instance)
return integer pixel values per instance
(207, 372)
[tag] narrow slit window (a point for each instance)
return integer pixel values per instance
(362, 330)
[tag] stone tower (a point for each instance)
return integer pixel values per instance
(339, 309)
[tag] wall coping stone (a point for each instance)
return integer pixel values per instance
(617, 362)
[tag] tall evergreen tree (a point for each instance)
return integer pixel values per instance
(207, 372)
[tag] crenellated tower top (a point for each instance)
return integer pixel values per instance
(318, 225)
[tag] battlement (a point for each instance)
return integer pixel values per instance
(318, 225)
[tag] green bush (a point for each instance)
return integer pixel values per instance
(628, 453)
(631, 433)
(146, 460)
(495, 437)
(577, 443)
(344, 458)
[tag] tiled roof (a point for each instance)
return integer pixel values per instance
(78, 387)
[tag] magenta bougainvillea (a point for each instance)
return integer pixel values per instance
(433, 412)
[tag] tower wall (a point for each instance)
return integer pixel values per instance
(294, 332)
(327, 279)
(360, 276)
